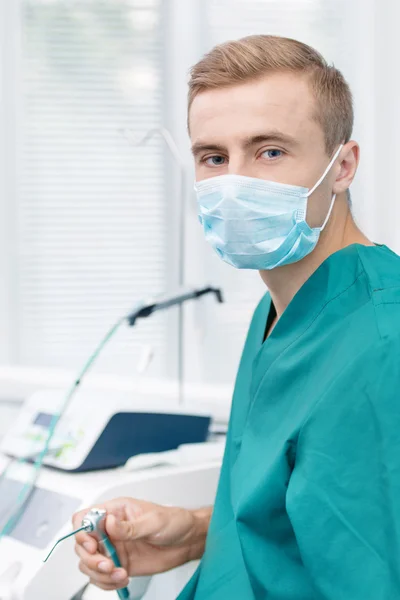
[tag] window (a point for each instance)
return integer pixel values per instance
(97, 221)
(92, 213)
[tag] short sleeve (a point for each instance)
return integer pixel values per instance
(343, 497)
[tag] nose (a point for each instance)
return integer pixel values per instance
(238, 165)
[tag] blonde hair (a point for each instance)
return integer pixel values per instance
(252, 57)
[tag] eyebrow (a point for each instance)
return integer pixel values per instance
(271, 136)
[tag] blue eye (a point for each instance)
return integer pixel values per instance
(217, 160)
(273, 153)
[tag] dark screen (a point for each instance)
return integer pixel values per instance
(43, 419)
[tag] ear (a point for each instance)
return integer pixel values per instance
(348, 160)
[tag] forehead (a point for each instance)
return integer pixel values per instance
(281, 101)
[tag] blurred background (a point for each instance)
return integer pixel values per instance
(90, 221)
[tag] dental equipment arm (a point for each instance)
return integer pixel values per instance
(152, 306)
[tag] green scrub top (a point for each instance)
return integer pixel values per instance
(308, 503)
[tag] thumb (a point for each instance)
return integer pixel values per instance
(125, 531)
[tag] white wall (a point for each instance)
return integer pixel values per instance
(386, 121)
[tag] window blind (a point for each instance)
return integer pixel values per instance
(92, 228)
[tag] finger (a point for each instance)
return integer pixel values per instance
(116, 580)
(77, 519)
(88, 542)
(96, 562)
(111, 587)
(145, 526)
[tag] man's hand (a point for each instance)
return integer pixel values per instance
(148, 538)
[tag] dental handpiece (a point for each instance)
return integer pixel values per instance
(94, 522)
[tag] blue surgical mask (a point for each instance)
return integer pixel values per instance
(257, 224)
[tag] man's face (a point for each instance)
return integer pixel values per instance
(264, 129)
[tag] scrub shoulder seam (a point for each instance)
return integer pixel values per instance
(388, 302)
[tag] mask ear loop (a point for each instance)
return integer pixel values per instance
(328, 168)
(320, 180)
(329, 213)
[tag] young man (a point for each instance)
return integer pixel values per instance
(308, 505)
